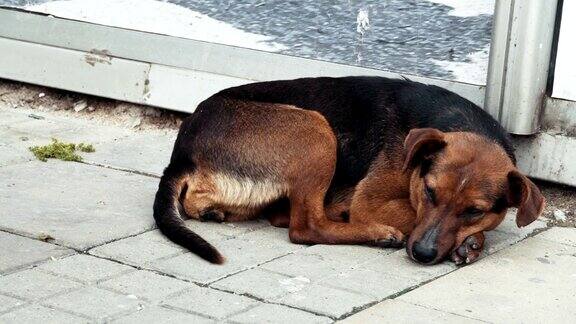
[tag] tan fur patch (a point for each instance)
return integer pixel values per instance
(232, 191)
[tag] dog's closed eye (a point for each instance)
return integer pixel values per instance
(430, 193)
(472, 212)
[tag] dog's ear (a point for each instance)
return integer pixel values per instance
(524, 194)
(420, 145)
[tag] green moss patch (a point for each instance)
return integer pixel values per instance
(61, 151)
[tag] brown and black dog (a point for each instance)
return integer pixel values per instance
(355, 160)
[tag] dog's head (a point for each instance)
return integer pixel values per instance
(461, 184)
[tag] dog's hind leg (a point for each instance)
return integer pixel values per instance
(254, 153)
(309, 179)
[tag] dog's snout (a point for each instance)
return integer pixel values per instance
(424, 253)
(425, 249)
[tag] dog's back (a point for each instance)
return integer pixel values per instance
(371, 114)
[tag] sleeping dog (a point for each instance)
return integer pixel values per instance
(354, 160)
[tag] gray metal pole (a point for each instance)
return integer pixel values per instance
(519, 62)
(498, 57)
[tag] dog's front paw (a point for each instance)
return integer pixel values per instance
(394, 239)
(470, 249)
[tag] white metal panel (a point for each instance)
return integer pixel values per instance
(565, 71)
(88, 73)
(190, 54)
(183, 90)
(548, 156)
(518, 69)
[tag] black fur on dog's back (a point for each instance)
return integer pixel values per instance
(371, 114)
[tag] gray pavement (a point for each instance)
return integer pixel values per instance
(78, 244)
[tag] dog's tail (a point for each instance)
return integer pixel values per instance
(167, 215)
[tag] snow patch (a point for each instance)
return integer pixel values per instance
(473, 71)
(468, 8)
(157, 17)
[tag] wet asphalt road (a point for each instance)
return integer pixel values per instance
(404, 35)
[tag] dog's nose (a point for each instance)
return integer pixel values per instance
(423, 253)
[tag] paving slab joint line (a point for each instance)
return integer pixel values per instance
(538, 231)
(176, 254)
(400, 293)
(63, 310)
(552, 241)
(49, 307)
(155, 271)
(103, 320)
(250, 268)
(203, 315)
(88, 282)
(207, 285)
(354, 311)
(270, 302)
(187, 311)
(263, 301)
(35, 238)
(39, 262)
(117, 239)
(447, 312)
(407, 290)
(110, 167)
(25, 303)
(54, 242)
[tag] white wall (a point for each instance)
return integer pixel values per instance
(565, 73)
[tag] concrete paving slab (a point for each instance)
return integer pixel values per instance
(209, 302)
(10, 116)
(146, 285)
(562, 235)
(269, 313)
(139, 250)
(327, 301)
(159, 315)
(397, 311)
(19, 132)
(508, 225)
(373, 283)
(143, 249)
(84, 268)
(34, 285)
(399, 264)
(243, 252)
(218, 232)
(41, 314)
(10, 154)
(149, 152)
(513, 284)
(95, 303)
(260, 283)
(7, 303)
(319, 261)
(41, 131)
(19, 252)
(78, 205)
